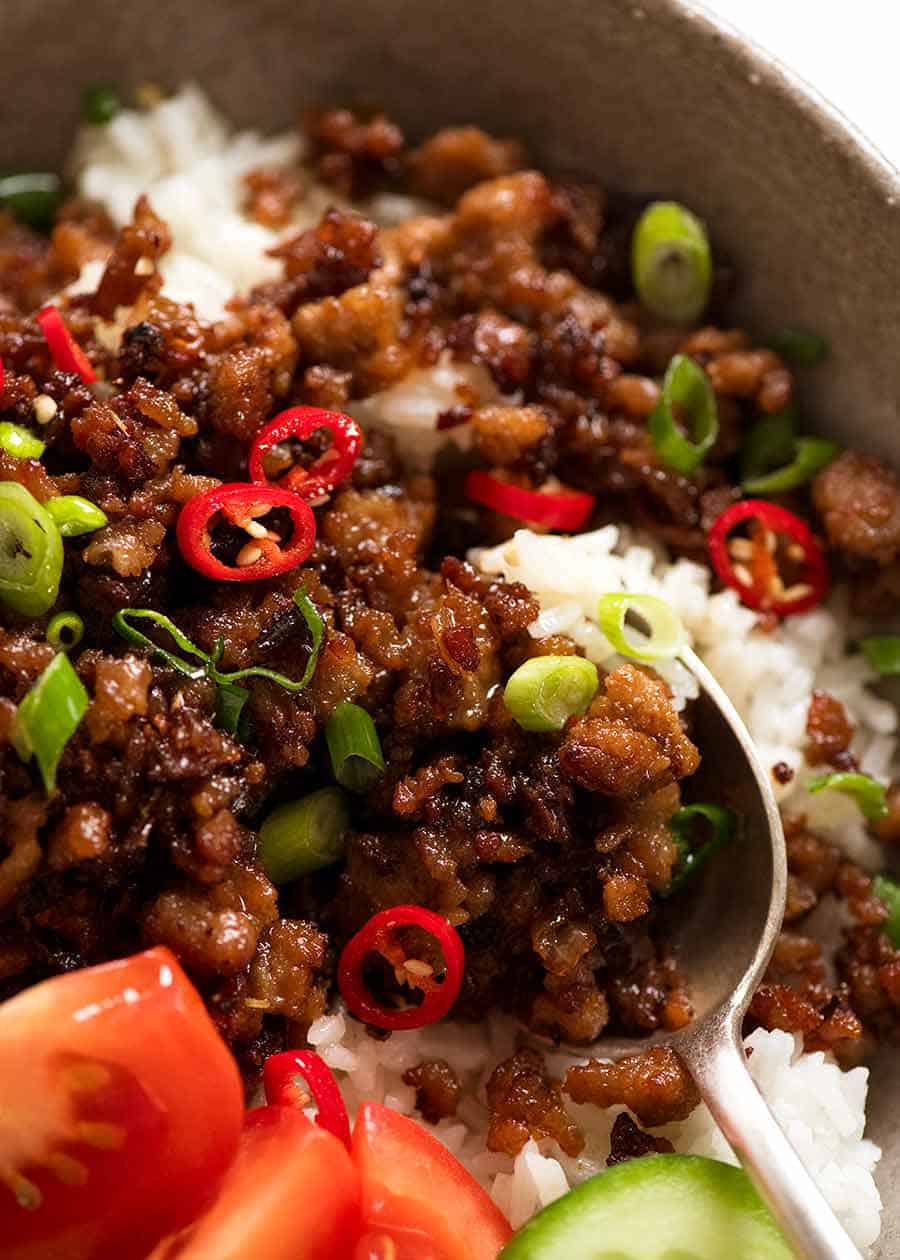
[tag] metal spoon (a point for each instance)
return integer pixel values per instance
(724, 938)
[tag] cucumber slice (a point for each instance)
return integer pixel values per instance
(659, 1207)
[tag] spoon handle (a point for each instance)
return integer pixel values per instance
(719, 1066)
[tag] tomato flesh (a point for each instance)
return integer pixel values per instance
(291, 1194)
(120, 1110)
(419, 1196)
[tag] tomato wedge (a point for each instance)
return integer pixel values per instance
(291, 1194)
(120, 1110)
(418, 1202)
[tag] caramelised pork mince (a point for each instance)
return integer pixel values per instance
(300, 690)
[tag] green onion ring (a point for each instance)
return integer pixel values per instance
(545, 691)
(31, 552)
(691, 857)
(65, 631)
(75, 515)
(666, 635)
(671, 262)
(354, 747)
(768, 444)
(888, 891)
(230, 701)
(869, 794)
(20, 442)
(799, 345)
(686, 394)
(32, 197)
(882, 651)
(100, 104)
(48, 716)
(303, 836)
(811, 455)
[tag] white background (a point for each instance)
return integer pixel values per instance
(848, 49)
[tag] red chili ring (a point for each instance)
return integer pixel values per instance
(281, 1088)
(67, 354)
(240, 502)
(328, 471)
(781, 521)
(373, 937)
(567, 510)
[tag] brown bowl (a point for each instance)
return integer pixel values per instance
(652, 96)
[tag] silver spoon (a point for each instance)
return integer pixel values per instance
(724, 940)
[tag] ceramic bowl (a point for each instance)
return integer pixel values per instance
(652, 96)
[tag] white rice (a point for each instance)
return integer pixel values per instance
(190, 162)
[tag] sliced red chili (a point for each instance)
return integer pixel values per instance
(753, 565)
(300, 423)
(67, 354)
(379, 936)
(569, 509)
(279, 1078)
(264, 554)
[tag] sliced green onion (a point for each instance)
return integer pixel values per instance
(671, 262)
(692, 855)
(122, 625)
(888, 891)
(20, 442)
(230, 701)
(869, 794)
(546, 691)
(811, 454)
(48, 717)
(230, 698)
(664, 636)
(65, 630)
(686, 396)
(882, 651)
(304, 836)
(32, 197)
(316, 627)
(31, 552)
(100, 104)
(75, 515)
(354, 747)
(798, 345)
(768, 444)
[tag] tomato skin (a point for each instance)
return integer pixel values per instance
(417, 1194)
(292, 1193)
(128, 1049)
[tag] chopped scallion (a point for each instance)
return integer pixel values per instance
(75, 515)
(100, 104)
(303, 836)
(671, 262)
(354, 747)
(65, 630)
(799, 345)
(546, 691)
(48, 717)
(31, 552)
(20, 442)
(32, 197)
(868, 793)
(882, 651)
(888, 891)
(768, 444)
(686, 399)
(230, 701)
(810, 455)
(663, 636)
(692, 855)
